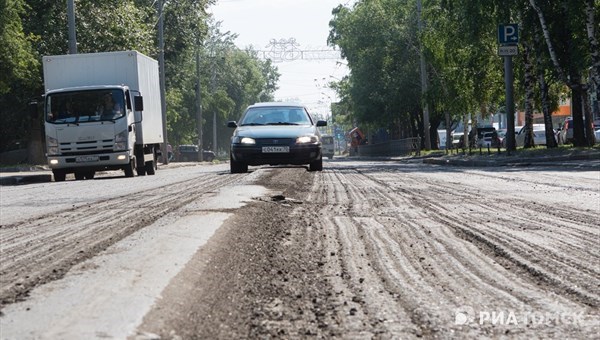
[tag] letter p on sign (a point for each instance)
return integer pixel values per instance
(508, 34)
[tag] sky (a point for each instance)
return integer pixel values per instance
(257, 22)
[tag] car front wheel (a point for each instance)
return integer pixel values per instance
(316, 165)
(237, 167)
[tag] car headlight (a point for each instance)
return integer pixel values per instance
(51, 145)
(243, 140)
(307, 140)
(121, 140)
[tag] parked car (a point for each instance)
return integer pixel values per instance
(597, 134)
(489, 131)
(566, 131)
(539, 135)
(276, 133)
(457, 139)
(489, 139)
(502, 137)
(565, 135)
(189, 153)
(328, 146)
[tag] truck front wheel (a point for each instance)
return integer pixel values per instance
(59, 176)
(129, 168)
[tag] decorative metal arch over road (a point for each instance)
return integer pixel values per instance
(289, 50)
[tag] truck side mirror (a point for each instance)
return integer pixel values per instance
(139, 103)
(321, 123)
(231, 124)
(33, 109)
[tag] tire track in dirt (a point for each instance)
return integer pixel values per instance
(540, 250)
(43, 249)
(429, 263)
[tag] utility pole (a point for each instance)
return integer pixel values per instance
(161, 66)
(71, 19)
(423, 82)
(199, 103)
(213, 85)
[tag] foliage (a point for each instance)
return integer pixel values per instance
(30, 29)
(381, 42)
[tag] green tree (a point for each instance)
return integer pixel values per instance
(20, 79)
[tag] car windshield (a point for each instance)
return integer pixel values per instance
(85, 106)
(278, 115)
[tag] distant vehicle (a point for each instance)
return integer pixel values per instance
(328, 146)
(189, 153)
(457, 139)
(566, 132)
(489, 139)
(276, 133)
(539, 135)
(484, 130)
(597, 134)
(502, 137)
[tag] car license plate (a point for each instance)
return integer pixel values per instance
(275, 149)
(85, 159)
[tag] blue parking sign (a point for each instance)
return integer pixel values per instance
(508, 34)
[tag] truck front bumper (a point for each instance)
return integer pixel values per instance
(107, 161)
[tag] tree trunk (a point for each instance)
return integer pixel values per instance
(448, 130)
(529, 93)
(577, 99)
(544, 92)
(590, 138)
(574, 79)
(546, 33)
(594, 45)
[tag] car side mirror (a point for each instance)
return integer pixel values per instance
(321, 123)
(232, 124)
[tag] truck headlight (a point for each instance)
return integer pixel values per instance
(307, 140)
(243, 140)
(51, 145)
(121, 140)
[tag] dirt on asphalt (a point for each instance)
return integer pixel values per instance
(359, 250)
(388, 252)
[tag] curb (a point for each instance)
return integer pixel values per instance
(550, 161)
(25, 179)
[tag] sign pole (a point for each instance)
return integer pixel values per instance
(508, 40)
(510, 105)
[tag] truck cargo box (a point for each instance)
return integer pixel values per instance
(129, 68)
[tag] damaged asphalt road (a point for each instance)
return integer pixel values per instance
(360, 250)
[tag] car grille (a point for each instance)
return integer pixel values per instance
(274, 141)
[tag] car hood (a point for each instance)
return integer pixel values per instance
(275, 131)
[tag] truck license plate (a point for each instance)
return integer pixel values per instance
(85, 159)
(275, 149)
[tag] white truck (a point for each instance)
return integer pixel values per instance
(102, 112)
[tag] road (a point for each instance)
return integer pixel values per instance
(360, 250)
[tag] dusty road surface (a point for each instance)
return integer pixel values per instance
(361, 250)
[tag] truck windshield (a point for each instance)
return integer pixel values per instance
(85, 106)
